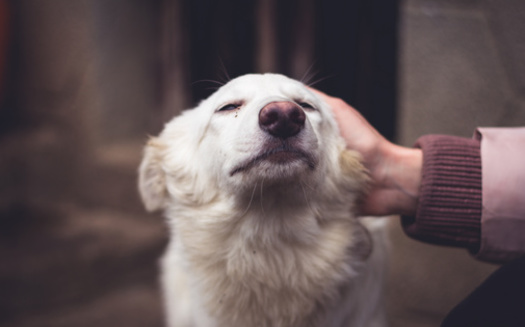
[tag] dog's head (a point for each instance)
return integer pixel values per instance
(255, 130)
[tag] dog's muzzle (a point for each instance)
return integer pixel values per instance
(282, 120)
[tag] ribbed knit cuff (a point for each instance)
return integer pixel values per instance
(449, 205)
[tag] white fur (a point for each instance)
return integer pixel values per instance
(272, 244)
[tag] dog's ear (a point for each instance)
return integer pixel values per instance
(152, 178)
(355, 175)
(352, 167)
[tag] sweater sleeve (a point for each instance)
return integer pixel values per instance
(450, 200)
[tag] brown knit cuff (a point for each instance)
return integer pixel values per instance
(449, 206)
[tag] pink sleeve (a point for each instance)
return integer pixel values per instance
(503, 193)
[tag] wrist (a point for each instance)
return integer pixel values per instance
(402, 178)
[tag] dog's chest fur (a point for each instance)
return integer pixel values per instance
(289, 273)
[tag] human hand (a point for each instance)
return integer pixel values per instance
(395, 171)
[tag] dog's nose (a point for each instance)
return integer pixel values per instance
(282, 119)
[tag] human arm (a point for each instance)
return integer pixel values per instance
(440, 188)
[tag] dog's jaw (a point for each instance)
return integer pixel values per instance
(284, 159)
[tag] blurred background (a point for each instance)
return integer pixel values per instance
(83, 83)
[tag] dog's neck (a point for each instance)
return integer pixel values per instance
(258, 252)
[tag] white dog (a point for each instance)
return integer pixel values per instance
(259, 193)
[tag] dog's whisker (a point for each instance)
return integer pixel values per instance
(317, 81)
(219, 83)
(261, 198)
(308, 185)
(224, 71)
(251, 200)
(308, 74)
(306, 197)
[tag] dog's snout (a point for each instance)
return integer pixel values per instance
(282, 119)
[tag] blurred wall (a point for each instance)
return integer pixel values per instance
(76, 246)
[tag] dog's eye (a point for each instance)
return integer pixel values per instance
(306, 105)
(230, 106)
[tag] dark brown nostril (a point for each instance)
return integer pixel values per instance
(282, 119)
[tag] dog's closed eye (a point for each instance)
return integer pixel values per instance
(306, 105)
(230, 107)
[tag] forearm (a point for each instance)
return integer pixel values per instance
(401, 179)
